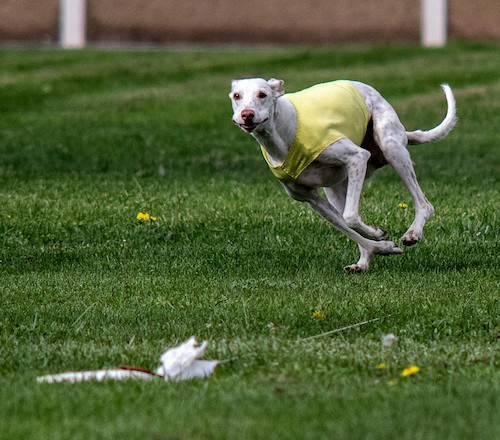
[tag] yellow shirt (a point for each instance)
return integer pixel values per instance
(325, 113)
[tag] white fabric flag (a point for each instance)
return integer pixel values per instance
(178, 363)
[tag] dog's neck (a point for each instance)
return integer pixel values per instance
(277, 134)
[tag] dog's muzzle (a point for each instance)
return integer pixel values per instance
(248, 117)
(249, 125)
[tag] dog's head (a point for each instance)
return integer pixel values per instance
(253, 101)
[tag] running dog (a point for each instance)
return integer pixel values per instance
(335, 135)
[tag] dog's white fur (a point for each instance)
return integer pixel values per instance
(260, 109)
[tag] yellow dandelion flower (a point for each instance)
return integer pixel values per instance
(412, 370)
(381, 366)
(403, 205)
(318, 315)
(144, 216)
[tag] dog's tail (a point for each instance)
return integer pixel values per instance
(422, 136)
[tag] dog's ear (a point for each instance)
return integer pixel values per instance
(277, 87)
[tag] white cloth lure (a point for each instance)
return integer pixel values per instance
(178, 363)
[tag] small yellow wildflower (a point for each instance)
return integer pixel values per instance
(319, 315)
(381, 366)
(412, 370)
(403, 205)
(144, 216)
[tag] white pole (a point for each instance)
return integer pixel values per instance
(434, 23)
(72, 23)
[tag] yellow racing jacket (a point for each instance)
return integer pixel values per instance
(326, 113)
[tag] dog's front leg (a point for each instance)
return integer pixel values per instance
(367, 247)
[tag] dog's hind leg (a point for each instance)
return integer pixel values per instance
(345, 195)
(391, 137)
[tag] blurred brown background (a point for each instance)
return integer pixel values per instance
(245, 21)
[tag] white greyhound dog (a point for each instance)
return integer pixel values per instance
(335, 135)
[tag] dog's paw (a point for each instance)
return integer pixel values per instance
(380, 234)
(410, 238)
(387, 248)
(355, 268)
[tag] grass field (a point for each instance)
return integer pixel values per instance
(90, 138)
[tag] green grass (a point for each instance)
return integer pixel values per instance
(90, 138)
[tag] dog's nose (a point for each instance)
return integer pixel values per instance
(247, 115)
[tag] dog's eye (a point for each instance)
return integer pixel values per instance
(236, 96)
(262, 95)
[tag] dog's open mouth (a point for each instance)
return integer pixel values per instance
(250, 127)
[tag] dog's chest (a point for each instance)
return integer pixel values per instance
(318, 175)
